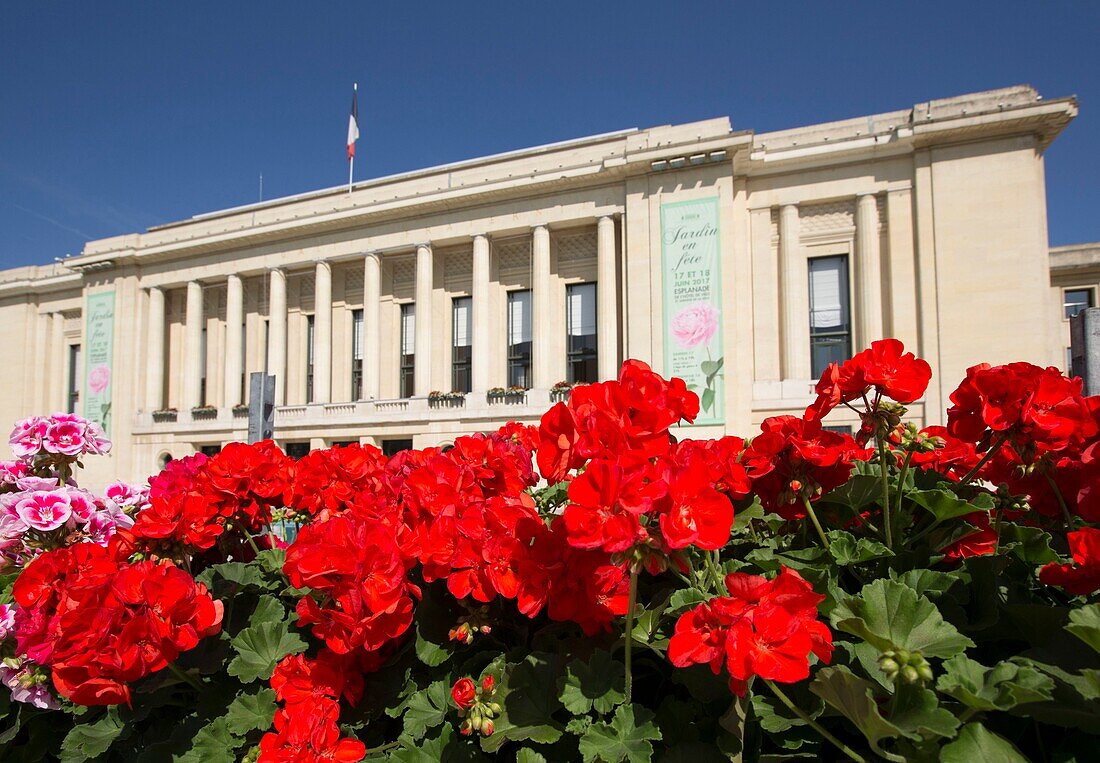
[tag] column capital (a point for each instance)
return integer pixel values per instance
(372, 254)
(427, 246)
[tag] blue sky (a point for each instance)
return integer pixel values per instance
(116, 117)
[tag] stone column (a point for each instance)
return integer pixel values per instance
(607, 302)
(868, 273)
(192, 347)
(795, 297)
(422, 372)
(322, 334)
(57, 364)
(372, 315)
(234, 340)
(154, 370)
(479, 291)
(276, 334)
(540, 308)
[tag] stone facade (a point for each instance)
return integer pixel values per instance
(938, 212)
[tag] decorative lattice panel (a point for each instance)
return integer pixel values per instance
(513, 257)
(305, 285)
(823, 218)
(458, 266)
(774, 224)
(352, 276)
(577, 247)
(213, 302)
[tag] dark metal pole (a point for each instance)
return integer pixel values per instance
(261, 407)
(1084, 332)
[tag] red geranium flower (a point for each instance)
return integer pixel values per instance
(884, 368)
(1083, 576)
(464, 693)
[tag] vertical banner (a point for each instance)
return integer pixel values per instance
(99, 341)
(692, 277)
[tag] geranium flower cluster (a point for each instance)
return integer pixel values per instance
(60, 435)
(765, 628)
(1035, 432)
(195, 499)
(100, 623)
(476, 705)
(306, 723)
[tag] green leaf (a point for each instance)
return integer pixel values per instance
(846, 549)
(260, 647)
(90, 740)
(527, 755)
(1084, 623)
(426, 709)
(1030, 545)
(628, 737)
(707, 401)
(916, 716)
(999, 688)
(526, 694)
(944, 505)
(684, 598)
(272, 560)
(596, 684)
(430, 654)
(212, 744)
(891, 615)
(859, 491)
(927, 582)
(268, 610)
(975, 742)
(249, 712)
(243, 574)
(742, 518)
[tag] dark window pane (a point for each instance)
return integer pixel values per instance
(519, 339)
(581, 347)
(461, 350)
(296, 450)
(1077, 300)
(407, 375)
(393, 447)
(830, 312)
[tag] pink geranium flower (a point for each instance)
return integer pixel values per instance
(64, 437)
(695, 325)
(7, 620)
(44, 510)
(26, 437)
(10, 471)
(82, 503)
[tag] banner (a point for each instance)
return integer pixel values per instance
(692, 277)
(99, 341)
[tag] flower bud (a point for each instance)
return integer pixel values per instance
(910, 675)
(487, 728)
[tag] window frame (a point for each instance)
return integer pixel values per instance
(1089, 290)
(73, 397)
(309, 358)
(462, 362)
(406, 367)
(519, 360)
(846, 335)
(357, 329)
(589, 356)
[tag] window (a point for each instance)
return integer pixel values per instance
(357, 355)
(344, 443)
(393, 447)
(210, 450)
(244, 363)
(408, 350)
(830, 314)
(202, 365)
(519, 339)
(1076, 300)
(74, 377)
(460, 344)
(838, 428)
(297, 450)
(309, 359)
(580, 319)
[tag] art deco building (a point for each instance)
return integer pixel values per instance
(742, 261)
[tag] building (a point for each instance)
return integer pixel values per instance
(742, 261)
(1074, 281)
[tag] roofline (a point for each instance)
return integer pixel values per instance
(401, 176)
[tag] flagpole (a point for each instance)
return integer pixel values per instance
(351, 159)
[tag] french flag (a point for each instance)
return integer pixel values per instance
(353, 122)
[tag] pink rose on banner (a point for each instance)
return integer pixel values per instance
(695, 324)
(98, 379)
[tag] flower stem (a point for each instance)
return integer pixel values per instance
(383, 748)
(178, 673)
(631, 601)
(985, 459)
(813, 518)
(1061, 501)
(887, 520)
(813, 724)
